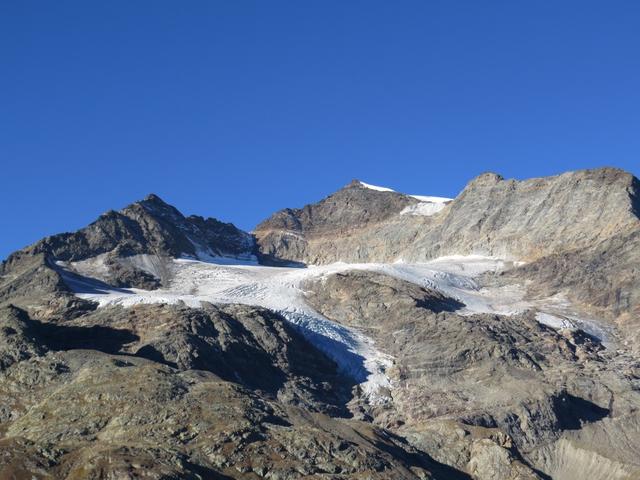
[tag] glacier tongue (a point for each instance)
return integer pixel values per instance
(281, 289)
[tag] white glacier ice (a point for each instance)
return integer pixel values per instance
(281, 289)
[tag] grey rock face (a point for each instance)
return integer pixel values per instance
(568, 225)
(491, 395)
(534, 218)
(492, 216)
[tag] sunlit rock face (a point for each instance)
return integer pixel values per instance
(492, 216)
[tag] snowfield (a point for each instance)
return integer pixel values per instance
(280, 289)
(425, 209)
(428, 205)
(375, 187)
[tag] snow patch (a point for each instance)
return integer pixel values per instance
(428, 205)
(425, 198)
(375, 187)
(553, 321)
(423, 209)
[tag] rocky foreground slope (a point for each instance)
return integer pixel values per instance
(154, 345)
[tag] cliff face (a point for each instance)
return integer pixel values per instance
(530, 219)
(523, 220)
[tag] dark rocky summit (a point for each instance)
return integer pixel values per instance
(178, 388)
(149, 226)
(124, 243)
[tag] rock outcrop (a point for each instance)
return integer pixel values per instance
(490, 395)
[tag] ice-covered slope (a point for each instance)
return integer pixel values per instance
(281, 289)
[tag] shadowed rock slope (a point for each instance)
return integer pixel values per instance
(163, 392)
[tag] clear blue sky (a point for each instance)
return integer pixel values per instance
(235, 109)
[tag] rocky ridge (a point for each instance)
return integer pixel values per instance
(575, 229)
(524, 220)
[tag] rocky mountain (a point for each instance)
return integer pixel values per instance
(524, 220)
(573, 230)
(126, 248)
(373, 334)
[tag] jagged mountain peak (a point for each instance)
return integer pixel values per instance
(153, 198)
(148, 227)
(153, 201)
(155, 206)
